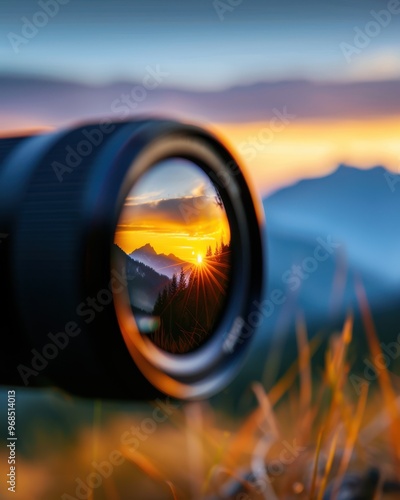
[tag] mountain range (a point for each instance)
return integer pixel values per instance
(350, 219)
(358, 212)
(26, 101)
(167, 265)
(144, 283)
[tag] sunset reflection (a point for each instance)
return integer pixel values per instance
(173, 238)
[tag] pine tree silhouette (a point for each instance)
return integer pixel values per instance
(173, 286)
(189, 308)
(182, 280)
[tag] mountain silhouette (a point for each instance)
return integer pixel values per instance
(147, 248)
(144, 283)
(357, 211)
(167, 265)
(353, 213)
(350, 207)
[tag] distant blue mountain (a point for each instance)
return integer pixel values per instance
(353, 208)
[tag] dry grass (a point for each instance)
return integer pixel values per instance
(336, 434)
(309, 437)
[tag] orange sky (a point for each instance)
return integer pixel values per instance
(303, 148)
(313, 148)
(186, 233)
(310, 148)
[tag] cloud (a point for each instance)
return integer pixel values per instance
(199, 190)
(142, 198)
(191, 216)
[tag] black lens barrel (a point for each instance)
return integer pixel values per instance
(60, 198)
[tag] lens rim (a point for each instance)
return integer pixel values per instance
(208, 368)
(201, 175)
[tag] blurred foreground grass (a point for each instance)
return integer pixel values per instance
(316, 434)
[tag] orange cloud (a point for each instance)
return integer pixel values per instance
(182, 226)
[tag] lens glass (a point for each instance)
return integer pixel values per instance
(173, 244)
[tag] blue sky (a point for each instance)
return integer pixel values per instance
(171, 179)
(99, 41)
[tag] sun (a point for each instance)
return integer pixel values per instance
(199, 259)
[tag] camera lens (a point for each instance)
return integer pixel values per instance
(173, 240)
(131, 261)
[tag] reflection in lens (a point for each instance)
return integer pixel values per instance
(173, 240)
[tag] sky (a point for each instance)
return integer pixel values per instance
(173, 208)
(200, 48)
(314, 148)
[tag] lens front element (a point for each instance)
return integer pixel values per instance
(172, 242)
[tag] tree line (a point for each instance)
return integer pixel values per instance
(189, 306)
